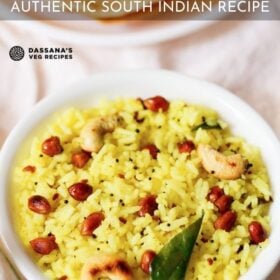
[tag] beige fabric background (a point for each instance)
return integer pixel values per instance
(241, 56)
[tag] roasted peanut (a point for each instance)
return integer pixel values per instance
(52, 146)
(123, 220)
(44, 245)
(80, 191)
(64, 277)
(214, 194)
(148, 205)
(39, 204)
(223, 203)
(80, 159)
(106, 266)
(156, 103)
(29, 168)
(257, 233)
(226, 221)
(55, 196)
(186, 147)
(146, 260)
(153, 150)
(92, 222)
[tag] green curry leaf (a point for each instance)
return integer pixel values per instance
(205, 125)
(172, 261)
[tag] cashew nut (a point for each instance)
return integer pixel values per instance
(221, 166)
(92, 135)
(107, 266)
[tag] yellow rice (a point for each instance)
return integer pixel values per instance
(177, 179)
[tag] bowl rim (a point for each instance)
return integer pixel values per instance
(50, 104)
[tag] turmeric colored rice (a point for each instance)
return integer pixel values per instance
(122, 173)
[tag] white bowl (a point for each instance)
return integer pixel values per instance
(243, 121)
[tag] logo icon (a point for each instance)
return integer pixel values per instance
(16, 53)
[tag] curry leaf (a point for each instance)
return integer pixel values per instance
(205, 125)
(172, 261)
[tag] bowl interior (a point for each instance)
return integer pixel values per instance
(241, 118)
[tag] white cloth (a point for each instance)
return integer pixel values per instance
(241, 56)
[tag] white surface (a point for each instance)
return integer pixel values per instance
(242, 119)
(122, 33)
(114, 34)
